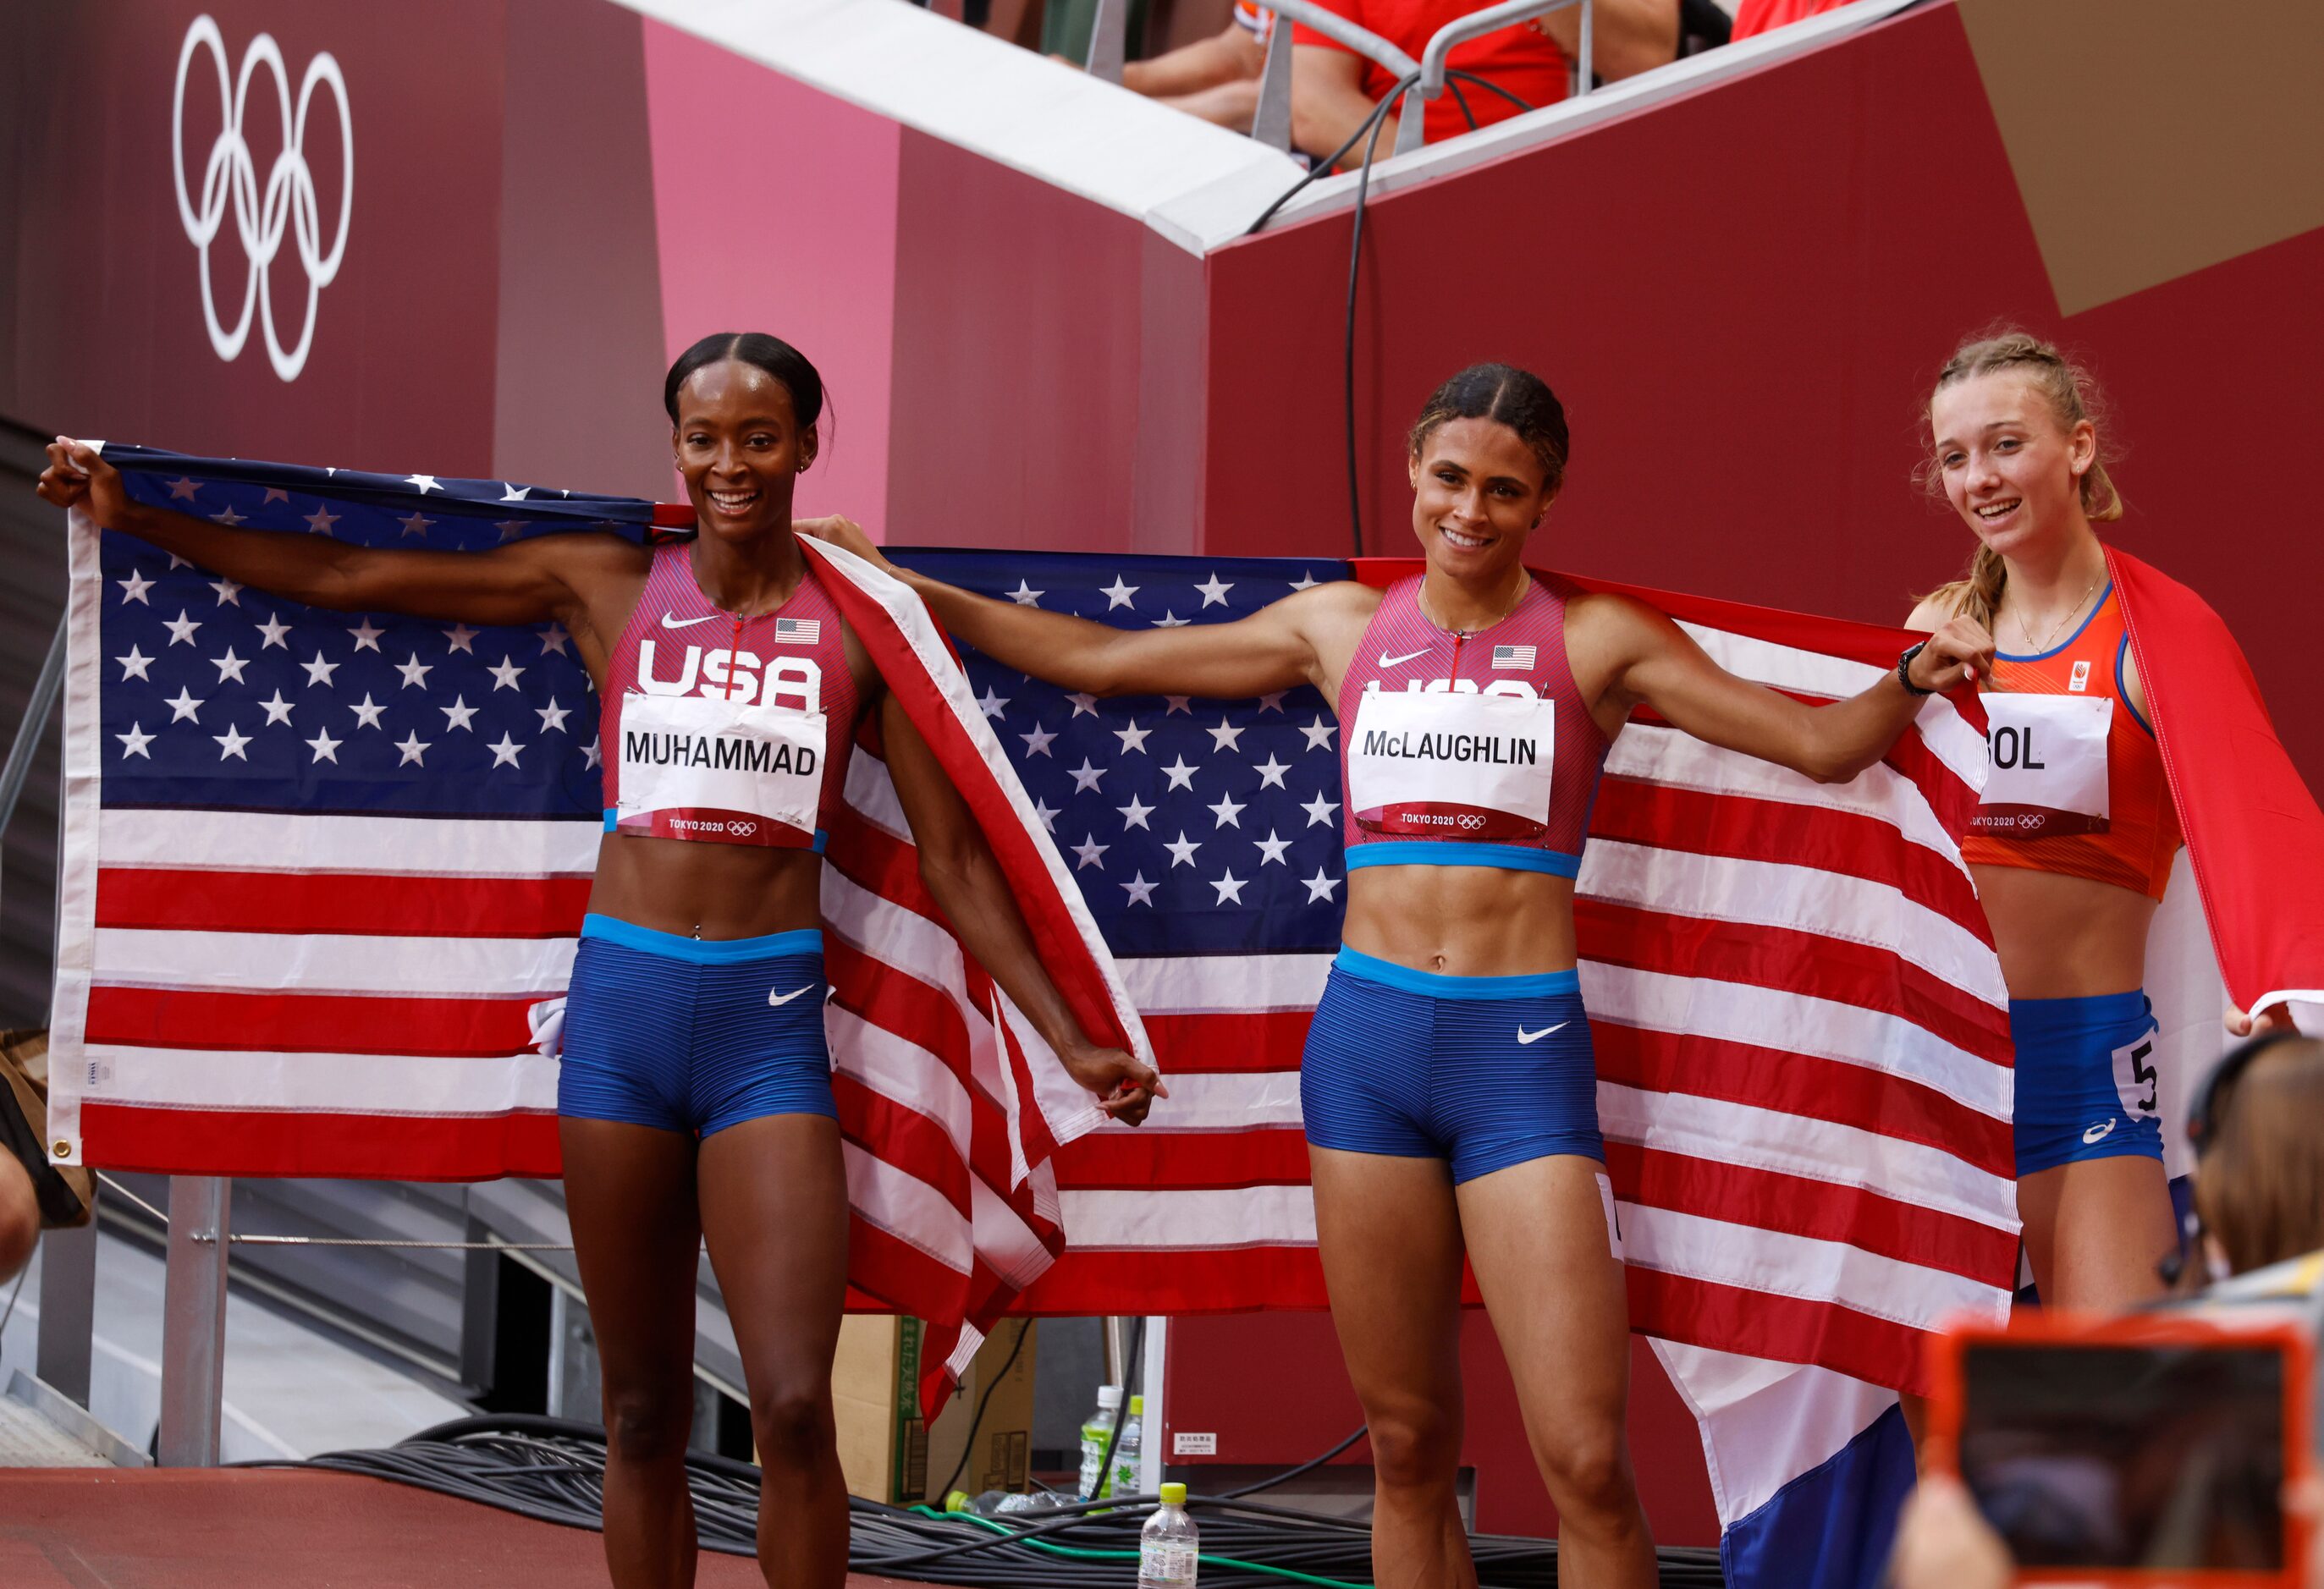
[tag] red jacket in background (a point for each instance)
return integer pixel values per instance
(1760, 16)
(1517, 59)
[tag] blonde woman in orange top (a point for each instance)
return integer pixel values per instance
(2073, 845)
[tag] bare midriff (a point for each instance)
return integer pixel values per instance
(702, 890)
(1463, 921)
(2062, 937)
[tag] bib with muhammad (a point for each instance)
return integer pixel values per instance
(725, 728)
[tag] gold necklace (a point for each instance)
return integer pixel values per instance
(1421, 601)
(2038, 647)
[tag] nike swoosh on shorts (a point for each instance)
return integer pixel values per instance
(1526, 1036)
(1388, 661)
(672, 620)
(783, 998)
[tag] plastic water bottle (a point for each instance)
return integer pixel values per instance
(1123, 1480)
(1002, 1503)
(1167, 1551)
(1095, 1434)
(1030, 1503)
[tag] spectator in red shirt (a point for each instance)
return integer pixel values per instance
(1332, 88)
(1762, 16)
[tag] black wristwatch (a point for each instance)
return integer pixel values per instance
(1904, 669)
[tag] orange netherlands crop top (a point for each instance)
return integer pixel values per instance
(2074, 782)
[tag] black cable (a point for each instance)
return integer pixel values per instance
(1325, 168)
(1289, 1474)
(553, 1470)
(1121, 1413)
(1451, 76)
(1348, 334)
(1024, 1328)
(1462, 100)
(1370, 130)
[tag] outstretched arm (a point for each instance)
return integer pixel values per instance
(1272, 649)
(967, 884)
(1660, 666)
(527, 582)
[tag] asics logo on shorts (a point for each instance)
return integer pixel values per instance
(1525, 1036)
(2097, 1132)
(779, 999)
(1388, 661)
(672, 620)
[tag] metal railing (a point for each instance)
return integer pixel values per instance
(1271, 125)
(1433, 60)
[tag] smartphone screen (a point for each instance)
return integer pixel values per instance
(2127, 1456)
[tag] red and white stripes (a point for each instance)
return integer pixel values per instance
(1802, 1034)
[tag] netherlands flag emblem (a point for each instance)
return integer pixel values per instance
(1519, 657)
(798, 632)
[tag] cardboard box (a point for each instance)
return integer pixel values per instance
(889, 1452)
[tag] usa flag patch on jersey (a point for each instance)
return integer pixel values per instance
(1519, 657)
(798, 632)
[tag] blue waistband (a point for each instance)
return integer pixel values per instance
(612, 825)
(2035, 1020)
(1440, 852)
(706, 952)
(1436, 985)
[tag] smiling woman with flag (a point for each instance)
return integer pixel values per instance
(695, 1094)
(1448, 1087)
(2086, 804)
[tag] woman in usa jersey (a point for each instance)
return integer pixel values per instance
(694, 1096)
(1447, 1088)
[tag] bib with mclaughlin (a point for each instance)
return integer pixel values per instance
(1467, 749)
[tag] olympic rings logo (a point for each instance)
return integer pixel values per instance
(287, 205)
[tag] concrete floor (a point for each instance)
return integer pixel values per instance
(290, 1392)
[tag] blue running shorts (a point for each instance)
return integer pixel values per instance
(694, 1035)
(1483, 1072)
(2086, 1079)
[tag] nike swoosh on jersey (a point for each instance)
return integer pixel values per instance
(671, 621)
(779, 999)
(1526, 1036)
(1388, 661)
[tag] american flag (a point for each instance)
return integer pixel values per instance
(1801, 1028)
(1800, 1023)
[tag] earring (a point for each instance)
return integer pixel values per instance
(800, 467)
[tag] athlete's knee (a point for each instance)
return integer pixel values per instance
(1414, 1446)
(649, 1424)
(1588, 1472)
(792, 1419)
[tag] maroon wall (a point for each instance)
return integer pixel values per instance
(1047, 370)
(105, 331)
(1741, 299)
